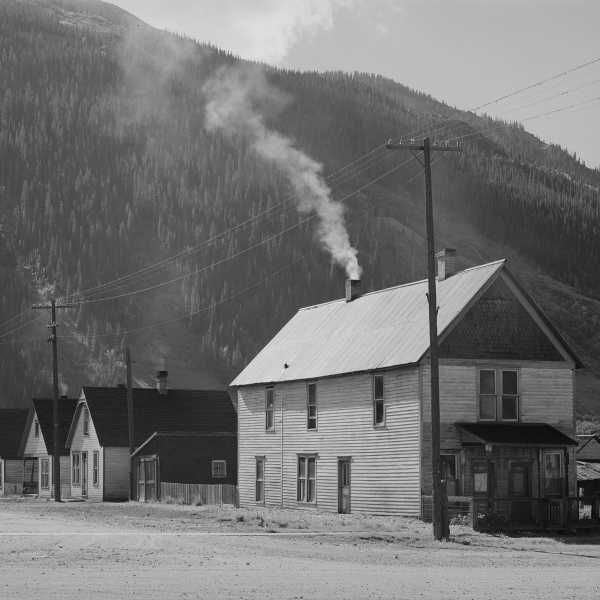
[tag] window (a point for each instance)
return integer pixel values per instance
(86, 421)
(498, 404)
(518, 482)
(36, 428)
(449, 472)
(45, 473)
(270, 409)
(378, 406)
(553, 473)
(260, 480)
(307, 480)
(510, 396)
(480, 478)
(487, 395)
(76, 475)
(95, 465)
(311, 406)
(219, 469)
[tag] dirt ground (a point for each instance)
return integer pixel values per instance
(92, 551)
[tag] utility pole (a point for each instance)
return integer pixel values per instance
(131, 429)
(439, 516)
(55, 411)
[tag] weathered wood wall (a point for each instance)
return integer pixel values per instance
(385, 460)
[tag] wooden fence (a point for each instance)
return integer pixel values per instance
(200, 493)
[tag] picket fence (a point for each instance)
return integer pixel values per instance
(199, 493)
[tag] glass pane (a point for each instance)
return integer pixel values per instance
(480, 481)
(310, 492)
(311, 468)
(270, 397)
(269, 419)
(487, 382)
(552, 465)
(312, 393)
(260, 469)
(509, 382)
(379, 411)
(487, 407)
(518, 480)
(301, 489)
(302, 467)
(378, 379)
(259, 491)
(509, 408)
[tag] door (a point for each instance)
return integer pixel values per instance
(344, 481)
(519, 489)
(84, 474)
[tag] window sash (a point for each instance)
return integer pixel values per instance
(307, 479)
(260, 480)
(270, 409)
(481, 479)
(76, 468)
(378, 400)
(311, 406)
(86, 421)
(553, 473)
(45, 473)
(95, 467)
(498, 395)
(219, 469)
(37, 429)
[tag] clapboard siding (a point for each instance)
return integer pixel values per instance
(116, 473)
(385, 461)
(13, 476)
(88, 443)
(35, 446)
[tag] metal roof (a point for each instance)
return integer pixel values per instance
(378, 330)
(587, 471)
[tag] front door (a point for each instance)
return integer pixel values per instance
(344, 480)
(84, 474)
(519, 488)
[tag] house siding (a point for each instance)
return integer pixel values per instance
(116, 482)
(13, 476)
(88, 443)
(385, 461)
(545, 396)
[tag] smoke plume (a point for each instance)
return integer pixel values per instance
(235, 97)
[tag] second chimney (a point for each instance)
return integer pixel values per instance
(446, 263)
(161, 382)
(352, 289)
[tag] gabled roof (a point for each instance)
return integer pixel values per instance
(12, 428)
(378, 330)
(43, 411)
(178, 410)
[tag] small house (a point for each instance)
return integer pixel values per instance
(334, 413)
(99, 437)
(38, 445)
(12, 474)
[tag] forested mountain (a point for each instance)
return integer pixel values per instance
(107, 166)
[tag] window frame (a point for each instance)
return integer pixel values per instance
(303, 491)
(95, 468)
(376, 400)
(259, 499)
(214, 470)
(313, 385)
(270, 408)
(561, 466)
(499, 394)
(483, 463)
(456, 479)
(36, 428)
(76, 469)
(86, 421)
(45, 473)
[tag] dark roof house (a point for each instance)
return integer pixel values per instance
(12, 426)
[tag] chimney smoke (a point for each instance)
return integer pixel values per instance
(352, 289)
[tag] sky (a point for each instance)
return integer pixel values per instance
(463, 52)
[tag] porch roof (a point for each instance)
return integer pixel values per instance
(521, 434)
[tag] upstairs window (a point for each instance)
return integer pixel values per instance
(498, 395)
(36, 429)
(270, 409)
(86, 421)
(311, 406)
(378, 401)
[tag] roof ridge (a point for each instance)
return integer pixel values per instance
(403, 285)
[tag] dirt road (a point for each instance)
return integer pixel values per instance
(88, 554)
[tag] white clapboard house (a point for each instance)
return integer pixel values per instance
(38, 445)
(334, 412)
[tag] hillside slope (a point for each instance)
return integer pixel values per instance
(106, 166)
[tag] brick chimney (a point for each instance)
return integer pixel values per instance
(352, 289)
(446, 263)
(161, 383)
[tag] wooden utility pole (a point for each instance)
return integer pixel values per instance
(56, 441)
(131, 429)
(440, 521)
